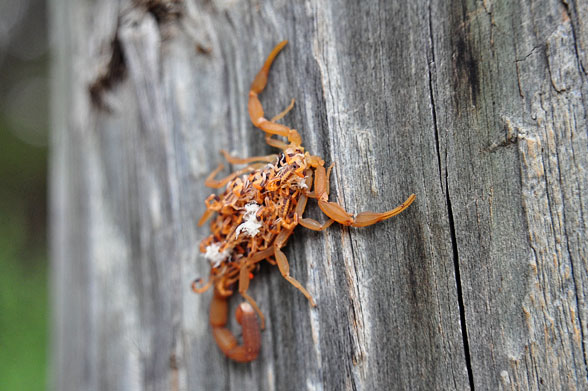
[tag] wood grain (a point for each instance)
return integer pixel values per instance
(478, 107)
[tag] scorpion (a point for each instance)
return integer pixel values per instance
(256, 214)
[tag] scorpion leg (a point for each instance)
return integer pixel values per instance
(205, 216)
(284, 267)
(272, 142)
(284, 112)
(203, 288)
(280, 130)
(315, 225)
(309, 223)
(243, 286)
(238, 160)
(244, 279)
(256, 109)
(225, 339)
(218, 183)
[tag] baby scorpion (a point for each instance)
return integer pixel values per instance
(256, 214)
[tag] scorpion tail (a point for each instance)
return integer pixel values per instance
(225, 339)
(261, 79)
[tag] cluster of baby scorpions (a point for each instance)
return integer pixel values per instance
(256, 214)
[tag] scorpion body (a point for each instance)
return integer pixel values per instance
(256, 214)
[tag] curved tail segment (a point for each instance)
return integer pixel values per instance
(261, 78)
(256, 109)
(226, 341)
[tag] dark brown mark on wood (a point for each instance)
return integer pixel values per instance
(466, 67)
(203, 49)
(163, 11)
(115, 72)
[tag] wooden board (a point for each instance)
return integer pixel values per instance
(478, 107)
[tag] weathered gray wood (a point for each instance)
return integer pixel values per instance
(478, 107)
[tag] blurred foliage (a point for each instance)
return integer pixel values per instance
(23, 305)
(23, 171)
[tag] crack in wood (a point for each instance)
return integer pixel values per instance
(464, 334)
(573, 16)
(462, 316)
(432, 95)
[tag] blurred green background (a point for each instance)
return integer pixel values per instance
(24, 127)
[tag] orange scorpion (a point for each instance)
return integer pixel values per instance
(256, 214)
